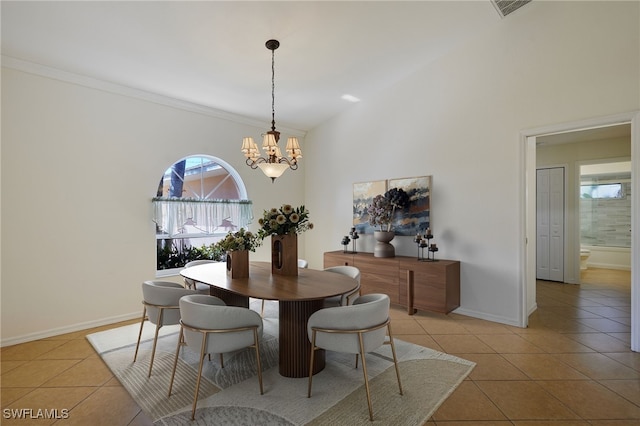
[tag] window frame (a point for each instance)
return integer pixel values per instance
(242, 194)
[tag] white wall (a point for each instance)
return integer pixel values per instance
(79, 168)
(459, 120)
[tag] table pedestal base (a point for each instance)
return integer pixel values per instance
(295, 347)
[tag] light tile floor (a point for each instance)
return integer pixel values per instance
(572, 366)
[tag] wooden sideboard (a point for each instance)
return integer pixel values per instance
(431, 286)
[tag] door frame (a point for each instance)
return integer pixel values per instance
(527, 145)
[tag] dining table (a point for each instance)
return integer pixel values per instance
(298, 297)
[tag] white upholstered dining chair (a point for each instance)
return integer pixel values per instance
(160, 301)
(209, 326)
(347, 298)
(194, 285)
(356, 329)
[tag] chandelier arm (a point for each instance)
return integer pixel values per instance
(290, 163)
(254, 163)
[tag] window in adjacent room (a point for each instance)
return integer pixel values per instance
(602, 190)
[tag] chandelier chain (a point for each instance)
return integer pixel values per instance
(273, 91)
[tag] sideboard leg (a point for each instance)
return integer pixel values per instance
(410, 309)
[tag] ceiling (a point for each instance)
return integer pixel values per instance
(212, 53)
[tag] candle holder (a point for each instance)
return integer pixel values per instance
(345, 242)
(432, 249)
(354, 236)
(421, 245)
(425, 242)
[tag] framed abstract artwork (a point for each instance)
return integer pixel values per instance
(416, 218)
(363, 193)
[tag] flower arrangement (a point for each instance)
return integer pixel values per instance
(240, 240)
(285, 220)
(383, 207)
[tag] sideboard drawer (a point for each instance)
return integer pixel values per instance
(432, 286)
(378, 275)
(338, 259)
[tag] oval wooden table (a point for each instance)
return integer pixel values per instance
(298, 297)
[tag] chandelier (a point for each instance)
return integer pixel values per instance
(273, 164)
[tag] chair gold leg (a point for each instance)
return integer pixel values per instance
(366, 379)
(221, 361)
(257, 346)
(395, 359)
(262, 310)
(155, 339)
(175, 361)
(313, 351)
(195, 396)
(144, 314)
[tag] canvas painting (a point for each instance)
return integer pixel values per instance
(416, 217)
(363, 193)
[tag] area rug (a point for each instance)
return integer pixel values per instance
(231, 395)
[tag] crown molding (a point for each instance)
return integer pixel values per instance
(106, 86)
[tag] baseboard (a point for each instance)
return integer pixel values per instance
(488, 317)
(166, 273)
(608, 266)
(67, 329)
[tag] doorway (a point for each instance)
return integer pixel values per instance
(529, 140)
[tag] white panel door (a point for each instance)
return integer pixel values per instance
(550, 224)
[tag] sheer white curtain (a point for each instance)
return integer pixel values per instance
(173, 215)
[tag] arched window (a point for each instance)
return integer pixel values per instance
(199, 199)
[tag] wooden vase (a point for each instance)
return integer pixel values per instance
(238, 264)
(284, 254)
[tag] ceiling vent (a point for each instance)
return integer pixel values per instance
(505, 7)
